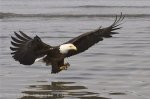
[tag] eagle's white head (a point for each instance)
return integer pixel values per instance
(67, 47)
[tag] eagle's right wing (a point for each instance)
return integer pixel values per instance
(26, 49)
(86, 40)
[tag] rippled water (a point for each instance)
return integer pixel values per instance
(116, 68)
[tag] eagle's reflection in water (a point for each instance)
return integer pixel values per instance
(65, 90)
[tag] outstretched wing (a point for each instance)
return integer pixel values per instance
(86, 40)
(26, 49)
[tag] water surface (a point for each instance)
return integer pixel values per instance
(116, 68)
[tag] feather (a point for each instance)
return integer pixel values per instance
(86, 40)
(26, 50)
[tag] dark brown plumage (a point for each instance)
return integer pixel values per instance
(86, 40)
(26, 49)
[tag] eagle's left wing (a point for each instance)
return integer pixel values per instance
(26, 49)
(86, 40)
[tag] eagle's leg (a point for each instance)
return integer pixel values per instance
(65, 65)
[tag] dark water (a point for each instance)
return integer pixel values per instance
(117, 68)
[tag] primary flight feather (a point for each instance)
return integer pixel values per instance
(27, 50)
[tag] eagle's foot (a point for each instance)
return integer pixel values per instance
(65, 66)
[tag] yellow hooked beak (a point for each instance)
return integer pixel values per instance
(74, 48)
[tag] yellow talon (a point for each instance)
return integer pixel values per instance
(65, 66)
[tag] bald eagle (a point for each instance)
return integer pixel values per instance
(28, 50)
